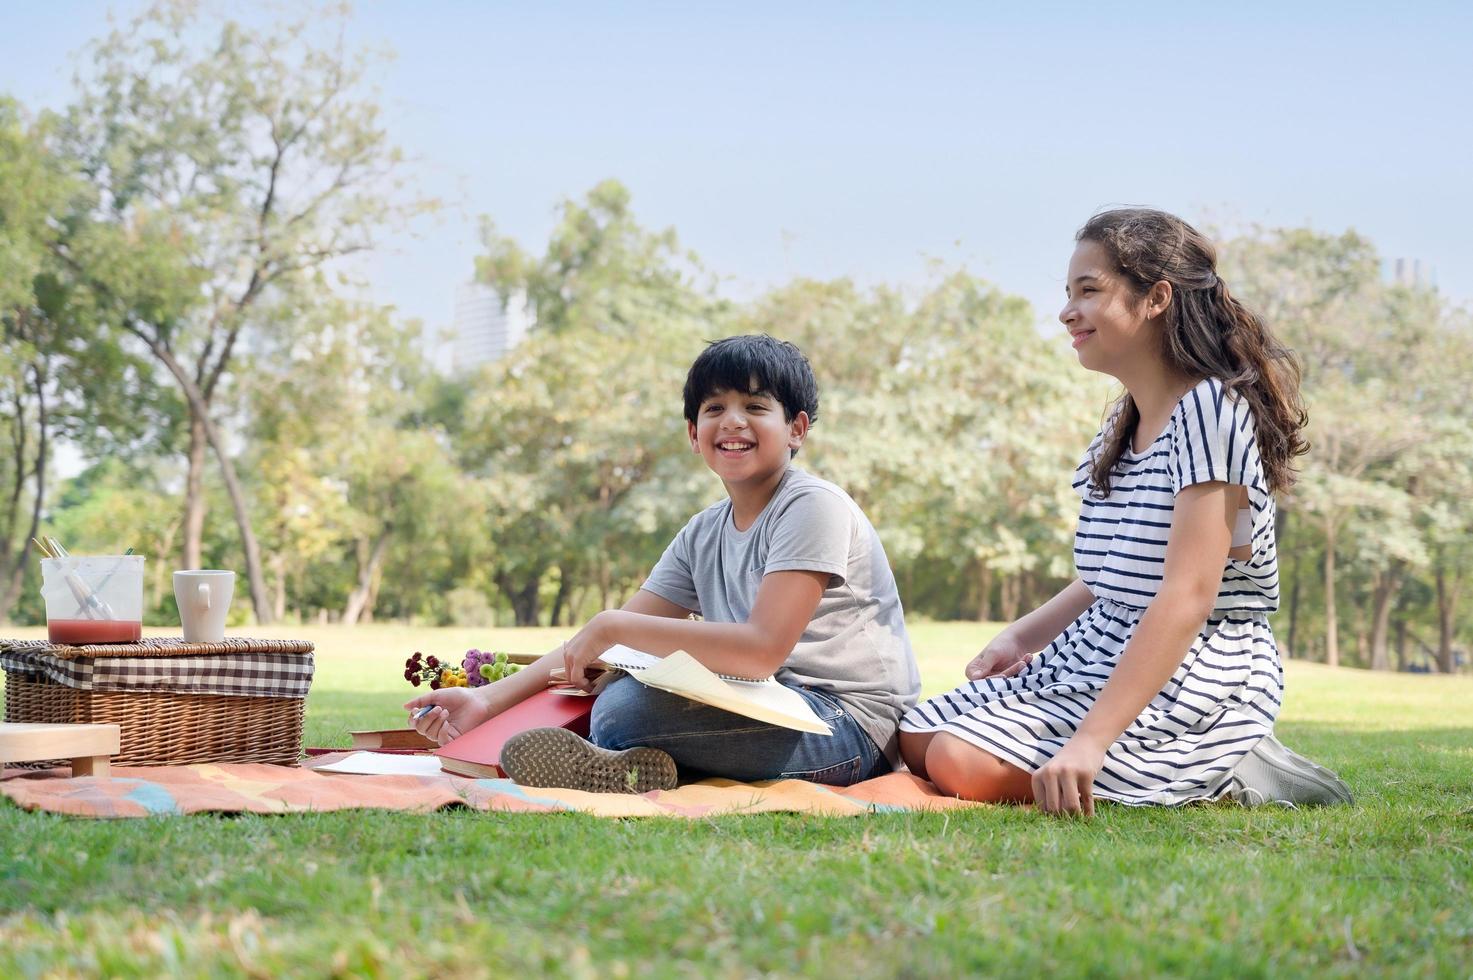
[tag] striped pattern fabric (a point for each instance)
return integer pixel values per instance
(1120, 544)
(1225, 695)
(280, 675)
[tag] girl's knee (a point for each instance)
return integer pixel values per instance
(913, 747)
(959, 768)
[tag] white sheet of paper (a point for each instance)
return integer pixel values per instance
(385, 764)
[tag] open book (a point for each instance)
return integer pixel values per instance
(680, 673)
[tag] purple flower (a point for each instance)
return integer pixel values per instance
(472, 664)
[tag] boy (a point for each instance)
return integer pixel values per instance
(789, 578)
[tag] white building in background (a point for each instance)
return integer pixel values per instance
(1411, 272)
(485, 328)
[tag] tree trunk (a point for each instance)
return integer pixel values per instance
(558, 601)
(18, 572)
(199, 412)
(524, 603)
(194, 493)
(260, 598)
(1291, 646)
(605, 585)
(523, 598)
(161, 584)
(1401, 644)
(1447, 594)
(1008, 598)
(1332, 638)
(278, 570)
(19, 471)
(375, 582)
(369, 561)
(1388, 585)
(984, 592)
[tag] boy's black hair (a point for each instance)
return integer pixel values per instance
(759, 365)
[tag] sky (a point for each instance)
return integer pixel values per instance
(873, 140)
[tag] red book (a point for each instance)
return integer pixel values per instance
(477, 753)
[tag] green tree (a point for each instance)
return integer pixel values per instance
(62, 373)
(954, 424)
(1361, 343)
(356, 482)
(1443, 471)
(233, 169)
(572, 428)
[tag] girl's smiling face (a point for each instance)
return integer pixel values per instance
(1110, 327)
(744, 437)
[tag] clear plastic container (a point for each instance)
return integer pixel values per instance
(95, 599)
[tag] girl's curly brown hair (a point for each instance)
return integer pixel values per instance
(1209, 334)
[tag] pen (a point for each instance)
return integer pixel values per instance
(423, 711)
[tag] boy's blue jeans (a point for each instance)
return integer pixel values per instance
(706, 741)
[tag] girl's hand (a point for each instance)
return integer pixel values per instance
(1065, 784)
(455, 711)
(1003, 657)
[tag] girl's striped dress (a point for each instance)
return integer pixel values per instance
(1224, 696)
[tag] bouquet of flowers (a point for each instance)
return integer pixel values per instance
(485, 667)
(476, 670)
(419, 669)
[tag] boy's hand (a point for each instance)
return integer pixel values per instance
(587, 646)
(1003, 657)
(1065, 784)
(453, 712)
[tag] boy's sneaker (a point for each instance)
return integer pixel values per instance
(555, 757)
(1270, 773)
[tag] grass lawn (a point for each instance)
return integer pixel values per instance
(1381, 888)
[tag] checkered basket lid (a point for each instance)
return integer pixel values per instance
(234, 667)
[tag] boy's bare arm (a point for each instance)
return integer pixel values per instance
(646, 603)
(786, 602)
(458, 710)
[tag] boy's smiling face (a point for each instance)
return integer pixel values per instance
(744, 437)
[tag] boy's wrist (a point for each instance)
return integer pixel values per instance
(491, 695)
(604, 626)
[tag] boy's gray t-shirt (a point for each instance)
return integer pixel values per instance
(855, 647)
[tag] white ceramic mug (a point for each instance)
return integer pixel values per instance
(204, 600)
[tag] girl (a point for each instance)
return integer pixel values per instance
(1158, 673)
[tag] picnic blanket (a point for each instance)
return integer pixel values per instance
(260, 788)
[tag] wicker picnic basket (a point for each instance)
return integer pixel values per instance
(240, 700)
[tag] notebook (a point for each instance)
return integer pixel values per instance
(680, 673)
(477, 753)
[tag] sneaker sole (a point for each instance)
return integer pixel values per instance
(556, 758)
(1307, 782)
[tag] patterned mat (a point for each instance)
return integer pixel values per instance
(254, 788)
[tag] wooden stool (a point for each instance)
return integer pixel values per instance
(88, 746)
